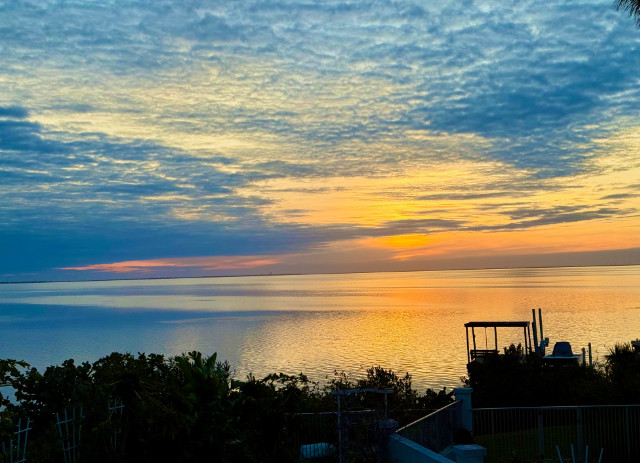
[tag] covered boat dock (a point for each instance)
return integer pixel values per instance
(476, 353)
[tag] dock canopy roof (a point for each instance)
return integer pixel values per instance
(496, 324)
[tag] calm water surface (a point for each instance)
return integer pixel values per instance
(317, 324)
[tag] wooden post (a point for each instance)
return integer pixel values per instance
(466, 328)
(535, 331)
(541, 332)
(473, 333)
(339, 430)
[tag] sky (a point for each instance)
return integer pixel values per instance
(153, 138)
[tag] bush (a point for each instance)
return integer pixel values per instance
(186, 408)
(512, 380)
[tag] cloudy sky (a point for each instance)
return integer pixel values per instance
(189, 137)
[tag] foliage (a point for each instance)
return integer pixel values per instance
(8, 369)
(186, 408)
(404, 404)
(622, 369)
(632, 7)
(189, 408)
(513, 379)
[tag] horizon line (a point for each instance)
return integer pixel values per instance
(94, 280)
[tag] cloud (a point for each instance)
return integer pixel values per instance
(399, 227)
(158, 130)
(621, 196)
(13, 112)
(551, 217)
(47, 174)
(454, 196)
(47, 244)
(530, 80)
(199, 263)
(25, 136)
(518, 219)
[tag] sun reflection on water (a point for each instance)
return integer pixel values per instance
(316, 324)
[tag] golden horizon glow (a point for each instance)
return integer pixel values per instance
(205, 263)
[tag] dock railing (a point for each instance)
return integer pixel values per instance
(538, 433)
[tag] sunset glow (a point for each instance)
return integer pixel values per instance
(205, 263)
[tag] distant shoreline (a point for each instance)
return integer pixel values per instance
(311, 273)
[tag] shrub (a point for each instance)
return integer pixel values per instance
(186, 408)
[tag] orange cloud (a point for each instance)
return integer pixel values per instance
(584, 236)
(204, 263)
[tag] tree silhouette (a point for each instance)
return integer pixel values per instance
(630, 6)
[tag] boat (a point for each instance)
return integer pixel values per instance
(562, 353)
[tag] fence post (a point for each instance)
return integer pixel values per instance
(493, 424)
(626, 416)
(540, 435)
(463, 394)
(580, 435)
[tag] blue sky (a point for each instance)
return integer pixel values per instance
(160, 138)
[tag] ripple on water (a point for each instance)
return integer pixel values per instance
(319, 323)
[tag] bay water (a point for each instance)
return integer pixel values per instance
(318, 324)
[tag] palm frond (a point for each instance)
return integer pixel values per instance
(632, 7)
